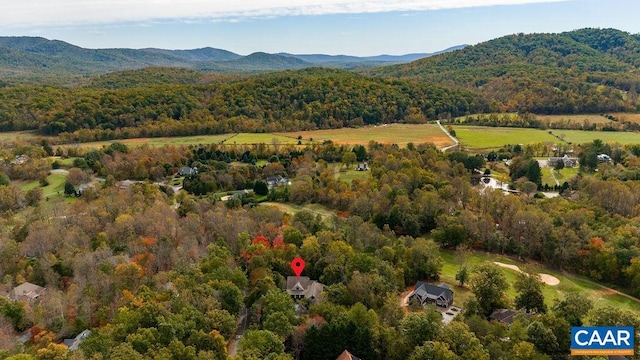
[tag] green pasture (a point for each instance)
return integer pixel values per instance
(489, 138)
(568, 283)
(581, 137)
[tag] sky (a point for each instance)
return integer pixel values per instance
(351, 27)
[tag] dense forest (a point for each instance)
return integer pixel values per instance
(285, 101)
(583, 71)
(176, 288)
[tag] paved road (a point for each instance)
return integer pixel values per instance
(456, 142)
(232, 347)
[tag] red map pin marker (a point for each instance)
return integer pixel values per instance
(297, 265)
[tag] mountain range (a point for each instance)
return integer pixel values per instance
(39, 57)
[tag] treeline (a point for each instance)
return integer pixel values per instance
(527, 120)
(584, 71)
(286, 101)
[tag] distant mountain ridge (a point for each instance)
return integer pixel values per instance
(39, 57)
(372, 60)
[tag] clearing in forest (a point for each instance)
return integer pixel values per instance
(400, 134)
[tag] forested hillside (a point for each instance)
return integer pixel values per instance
(583, 71)
(306, 99)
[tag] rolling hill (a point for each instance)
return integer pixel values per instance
(38, 58)
(582, 71)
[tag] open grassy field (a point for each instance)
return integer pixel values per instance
(400, 134)
(18, 135)
(600, 295)
(160, 141)
(634, 118)
(488, 138)
(293, 209)
(263, 138)
(348, 175)
(229, 139)
(581, 137)
(55, 187)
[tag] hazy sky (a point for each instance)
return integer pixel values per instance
(351, 27)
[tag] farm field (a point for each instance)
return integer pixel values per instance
(599, 294)
(490, 138)
(580, 137)
(161, 141)
(229, 139)
(17, 135)
(400, 134)
(635, 118)
(262, 138)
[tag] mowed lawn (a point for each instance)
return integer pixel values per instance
(400, 134)
(55, 187)
(600, 295)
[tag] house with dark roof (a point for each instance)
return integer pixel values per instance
(362, 167)
(425, 293)
(188, 171)
(303, 288)
(507, 316)
(568, 162)
(275, 181)
(346, 355)
(26, 292)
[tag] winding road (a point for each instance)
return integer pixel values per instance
(455, 141)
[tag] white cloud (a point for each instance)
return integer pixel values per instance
(31, 13)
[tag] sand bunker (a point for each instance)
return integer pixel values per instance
(545, 278)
